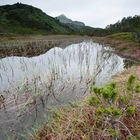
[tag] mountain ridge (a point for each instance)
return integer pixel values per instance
(22, 18)
(25, 19)
(64, 19)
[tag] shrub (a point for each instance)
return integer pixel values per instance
(131, 110)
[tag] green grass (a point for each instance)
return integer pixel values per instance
(25, 19)
(127, 36)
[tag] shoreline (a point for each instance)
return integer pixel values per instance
(15, 45)
(126, 49)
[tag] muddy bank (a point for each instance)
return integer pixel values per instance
(34, 45)
(126, 49)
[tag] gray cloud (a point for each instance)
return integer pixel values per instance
(96, 13)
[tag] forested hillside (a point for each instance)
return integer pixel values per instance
(129, 24)
(21, 18)
(25, 19)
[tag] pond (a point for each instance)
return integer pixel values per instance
(60, 76)
(75, 62)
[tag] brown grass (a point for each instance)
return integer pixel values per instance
(80, 122)
(124, 48)
(34, 45)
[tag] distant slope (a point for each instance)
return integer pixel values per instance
(80, 27)
(63, 19)
(21, 18)
(129, 24)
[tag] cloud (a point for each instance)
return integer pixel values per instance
(96, 13)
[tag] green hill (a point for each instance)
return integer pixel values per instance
(21, 18)
(25, 19)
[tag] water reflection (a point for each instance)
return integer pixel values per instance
(76, 62)
(57, 77)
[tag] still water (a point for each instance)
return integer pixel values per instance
(59, 76)
(78, 62)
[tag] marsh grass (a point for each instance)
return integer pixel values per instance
(124, 43)
(26, 48)
(39, 88)
(110, 113)
(34, 45)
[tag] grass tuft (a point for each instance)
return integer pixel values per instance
(109, 114)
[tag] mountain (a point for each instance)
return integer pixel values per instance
(25, 19)
(80, 27)
(63, 19)
(22, 18)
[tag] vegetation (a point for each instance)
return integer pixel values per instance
(126, 36)
(24, 19)
(21, 18)
(34, 45)
(129, 24)
(111, 112)
(125, 44)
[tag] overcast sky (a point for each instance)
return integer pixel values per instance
(96, 13)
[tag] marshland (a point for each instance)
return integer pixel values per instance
(60, 75)
(63, 80)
